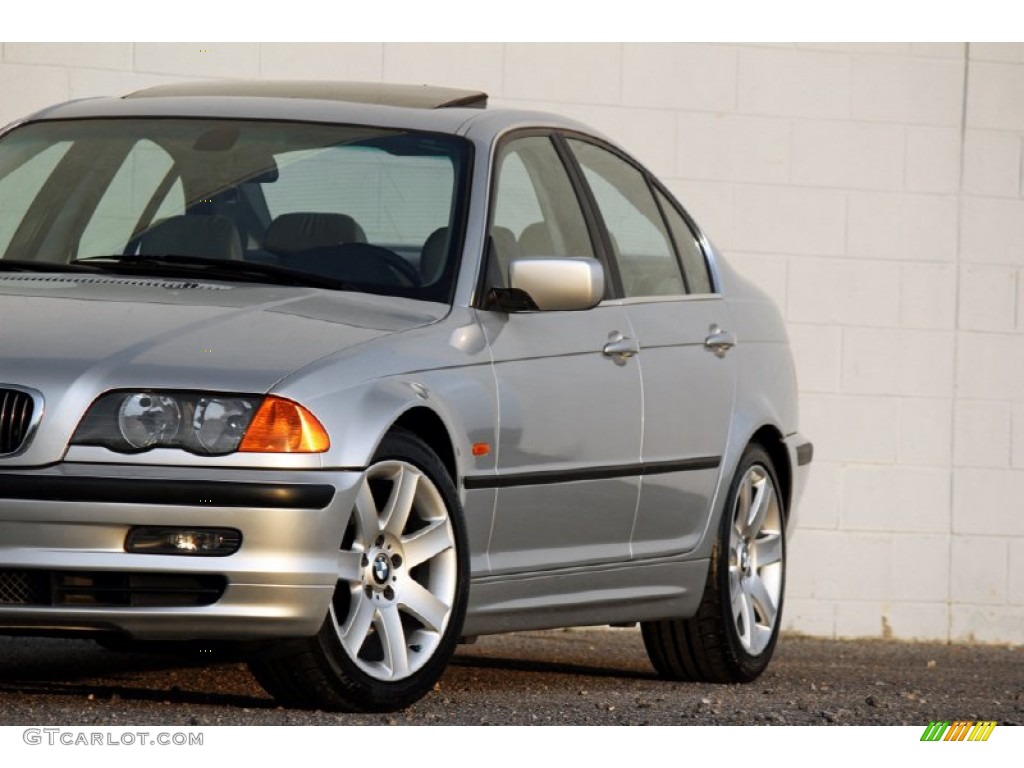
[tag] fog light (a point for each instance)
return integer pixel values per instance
(208, 542)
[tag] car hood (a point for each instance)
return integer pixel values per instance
(71, 337)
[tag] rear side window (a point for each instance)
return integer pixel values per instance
(698, 280)
(640, 241)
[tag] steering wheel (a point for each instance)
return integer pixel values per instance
(397, 264)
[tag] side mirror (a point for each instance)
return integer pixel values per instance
(558, 282)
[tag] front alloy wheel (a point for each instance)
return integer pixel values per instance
(397, 573)
(400, 598)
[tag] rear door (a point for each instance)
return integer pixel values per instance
(687, 385)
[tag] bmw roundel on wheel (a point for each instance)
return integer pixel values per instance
(343, 373)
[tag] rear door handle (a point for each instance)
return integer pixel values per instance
(620, 348)
(719, 341)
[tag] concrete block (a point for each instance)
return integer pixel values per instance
(907, 90)
(926, 432)
(928, 296)
(894, 498)
(889, 49)
(906, 227)
(986, 502)
(920, 566)
(361, 62)
(847, 428)
(992, 163)
(992, 231)
(923, 622)
(1017, 436)
(228, 60)
(982, 434)
(457, 65)
(988, 624)
(817, 351)
(793, 83)
(990, 366)
(1012, 53)
(848, 155)
(1015, 580)
(819, 506)
(844, 291)
(897, 362)
(939, 50)
(988, 298)
(815, 618)
(995, 96)
(26, 89)
(723, 147)
(790, 220)
(980, 567)
(685, 76)
(850, 565)
(588, 73)
(933, 159)
(72, 55)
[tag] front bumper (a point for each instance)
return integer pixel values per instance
(71, 519)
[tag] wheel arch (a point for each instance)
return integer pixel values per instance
(428, 426)
(770, 438)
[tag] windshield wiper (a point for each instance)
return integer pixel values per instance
(26, 265)
(178, 264)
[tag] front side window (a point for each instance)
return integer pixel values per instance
(351, 207)
(536, 211)
(639, 240)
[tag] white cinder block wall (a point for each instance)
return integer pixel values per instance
(874, 190)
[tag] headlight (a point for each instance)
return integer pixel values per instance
(202, 423)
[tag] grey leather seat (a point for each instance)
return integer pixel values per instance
(292, 232)
(210, 237)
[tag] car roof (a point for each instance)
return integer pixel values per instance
(385, 105)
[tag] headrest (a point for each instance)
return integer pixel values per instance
(291, 232)
(210, 237)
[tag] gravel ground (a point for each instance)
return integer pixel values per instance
(581, 677)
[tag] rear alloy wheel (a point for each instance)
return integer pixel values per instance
(400, 600)
(733, 635)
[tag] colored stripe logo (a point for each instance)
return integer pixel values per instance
(958, 730)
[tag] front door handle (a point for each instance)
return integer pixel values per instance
(620, 348)
(719, 341)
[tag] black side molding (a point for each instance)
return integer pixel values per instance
(165, 492)
(804, 454)
(590, 473)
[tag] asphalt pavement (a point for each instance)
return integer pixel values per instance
(563, 677)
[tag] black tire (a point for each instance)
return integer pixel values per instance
(718, 644)
(366, 674)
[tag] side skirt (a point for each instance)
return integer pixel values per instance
(585, 596)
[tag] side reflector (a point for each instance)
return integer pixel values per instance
(281, 426)
(481, 449)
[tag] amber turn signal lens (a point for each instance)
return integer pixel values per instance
(281, 426)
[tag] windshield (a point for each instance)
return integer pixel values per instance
(370, 209)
